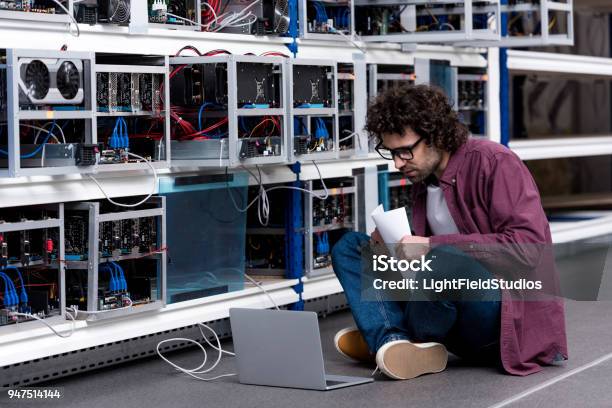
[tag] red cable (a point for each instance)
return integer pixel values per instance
(275, 54)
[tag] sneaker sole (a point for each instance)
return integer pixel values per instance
(338, 339)
(406, 360)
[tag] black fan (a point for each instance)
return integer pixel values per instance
(68, 80)
(281, 16)
(37, 79)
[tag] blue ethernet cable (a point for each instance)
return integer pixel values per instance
(321, 129)
(112, 286)
(121, 276)
(321, 12)
(23, 297)
(113, 141)
(10, 292)
(125, 138)
(38, 149)
(6, 301)
(204, 106)
(325, 243)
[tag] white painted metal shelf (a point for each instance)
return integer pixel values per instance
(553, 63)
(565, 146)
(320, 286)
(564, 65)
(595, 224)
(32, 340)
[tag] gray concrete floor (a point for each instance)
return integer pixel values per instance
(152, 383)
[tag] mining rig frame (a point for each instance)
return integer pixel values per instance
(313, 111)
(246, 99)
(90, 255)
(411, 16)
(324, 26)
(36, 14)
(316, 234)
(352, 108)
(129, 89)
(50, 104)
(24, 226)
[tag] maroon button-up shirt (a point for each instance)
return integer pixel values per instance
(494, 201)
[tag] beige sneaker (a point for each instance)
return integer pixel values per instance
(350, 343)
(403, 360)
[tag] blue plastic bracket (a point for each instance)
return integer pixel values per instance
(293, 27)
(294, 238)
(504, 85)
(383, 190)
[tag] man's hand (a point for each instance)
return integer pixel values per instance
(377, 238)
(412, 247)
(377, 244)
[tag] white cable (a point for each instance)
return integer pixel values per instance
(76, 24)
(263, 289)
(223, 24)
(204, 3)
(40, 129)
(231, 20)
(43, 129)
(235, 22)
(262, 200)
(200, 369)
(155, 180)
(352, 135)
(347, 38)
(62, 335)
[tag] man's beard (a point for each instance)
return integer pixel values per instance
(427, 169)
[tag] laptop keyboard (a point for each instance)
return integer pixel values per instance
(330, 383)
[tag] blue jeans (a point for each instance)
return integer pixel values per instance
(469, 329)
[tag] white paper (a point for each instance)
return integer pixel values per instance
(392, 225)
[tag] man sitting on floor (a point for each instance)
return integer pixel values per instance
(466, 192)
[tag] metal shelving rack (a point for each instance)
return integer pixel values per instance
(411, 10)
(39, 343)
(567, 66)
(555, 26)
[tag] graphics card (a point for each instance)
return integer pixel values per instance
(50, 81)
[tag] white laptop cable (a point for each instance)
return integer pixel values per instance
(194, 372)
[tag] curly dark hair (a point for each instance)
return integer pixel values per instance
(423, 108)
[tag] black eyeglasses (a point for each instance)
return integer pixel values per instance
(404, 153)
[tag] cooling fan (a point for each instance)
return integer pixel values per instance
(119, 11)
(281, 16)
(50, 81)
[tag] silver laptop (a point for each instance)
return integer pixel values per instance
(283, 349)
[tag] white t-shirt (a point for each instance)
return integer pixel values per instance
(439, 218)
